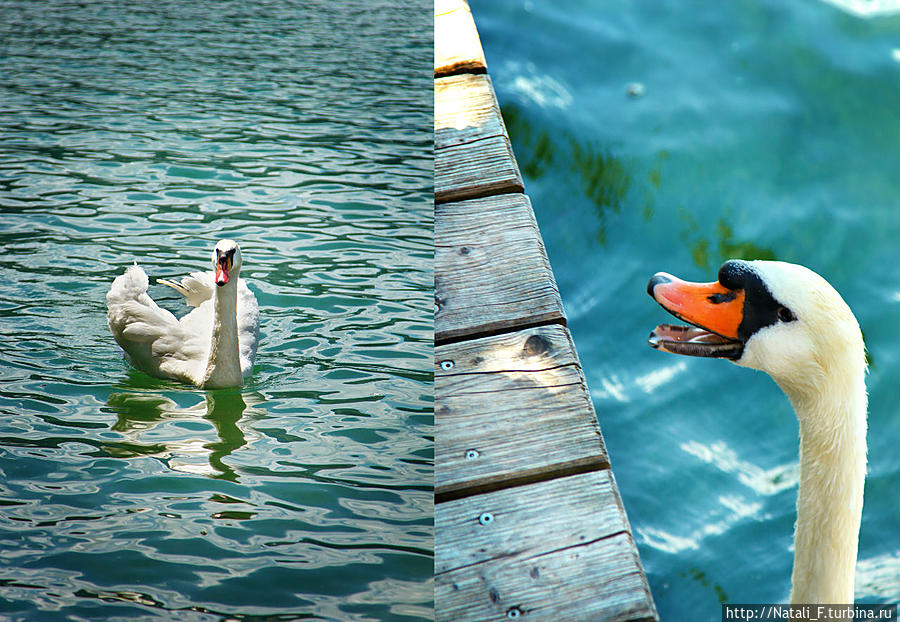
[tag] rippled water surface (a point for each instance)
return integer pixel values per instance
(670, 136)
(146, 131)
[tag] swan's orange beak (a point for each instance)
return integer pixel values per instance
(222, 268)
(715, 311)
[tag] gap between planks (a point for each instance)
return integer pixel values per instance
(525, 479)
(503, 330)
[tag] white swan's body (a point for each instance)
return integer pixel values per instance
(789, 322)
(213, 346)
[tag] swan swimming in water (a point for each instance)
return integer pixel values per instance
(212, 347)
(789, 322)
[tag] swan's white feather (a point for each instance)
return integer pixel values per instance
(154, 340)
(819, 362)
(195, 288)
(198, 289)
(248, 328)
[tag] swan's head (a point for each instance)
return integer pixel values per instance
(777, 317)
(226, 259)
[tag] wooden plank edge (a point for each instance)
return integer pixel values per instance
(526, 554)
(448, 332)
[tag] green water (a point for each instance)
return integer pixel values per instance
(146, 131)
(671, 136)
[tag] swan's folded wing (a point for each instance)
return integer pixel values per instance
(180, 354)
(131, 313)
(248, 327)
(196, 288)
(151, 336)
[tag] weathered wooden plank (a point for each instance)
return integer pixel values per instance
(457, 47)
(475, 170)
(472, 153)
(557, 550)
(465, 110)
(512, 409)
(535, 519)
(579, 583)
(537, 349)
(491, 269)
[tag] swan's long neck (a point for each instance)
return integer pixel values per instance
(223, 368)
(830, 496)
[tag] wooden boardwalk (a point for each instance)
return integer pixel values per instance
(529, 522)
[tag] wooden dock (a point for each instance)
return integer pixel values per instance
(528, 518)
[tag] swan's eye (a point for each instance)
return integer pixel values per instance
(786, 315)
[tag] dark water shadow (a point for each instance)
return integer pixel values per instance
(613, 184)
(600, 176)
(709, 252)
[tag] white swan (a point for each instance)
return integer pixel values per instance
(212, 347)
(789, 322)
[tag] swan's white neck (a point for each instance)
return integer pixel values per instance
(832, 477)
(223, 367)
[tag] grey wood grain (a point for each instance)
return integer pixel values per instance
(465, 110)
(557, 550)
(491, 269)
(517, 440)
(472, 153)
(512, 409)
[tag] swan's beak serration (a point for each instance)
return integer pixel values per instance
(715, 312)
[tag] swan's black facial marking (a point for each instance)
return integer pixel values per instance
(229, 254)
(224, 260)
(718, 299)
(761, 309)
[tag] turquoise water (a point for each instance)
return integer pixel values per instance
(147, 131)
(671, 136)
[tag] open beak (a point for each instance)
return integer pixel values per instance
(223, 266)
(714, 311)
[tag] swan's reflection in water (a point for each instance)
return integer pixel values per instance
(193, 438)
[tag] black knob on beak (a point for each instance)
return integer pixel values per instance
(658, 279)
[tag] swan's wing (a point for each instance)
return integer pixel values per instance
(151, 336)
(131, 313)
(248, 327)
(196, 288)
